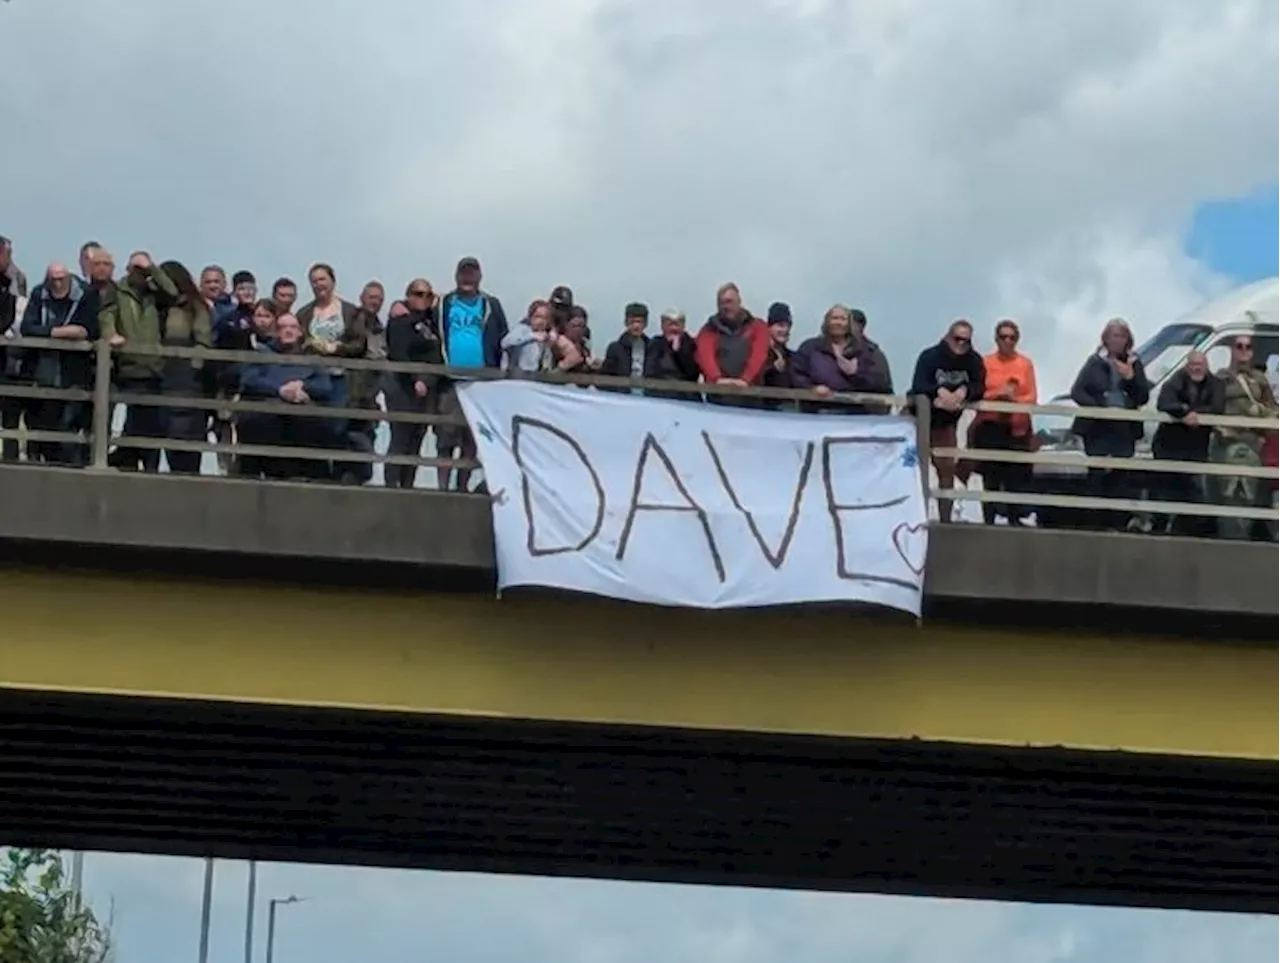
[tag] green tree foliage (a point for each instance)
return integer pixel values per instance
(41, 920)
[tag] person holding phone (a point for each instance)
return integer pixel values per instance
(1112, 377)
(1011, 376)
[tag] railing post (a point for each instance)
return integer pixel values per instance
(923, 413)
(101, 425)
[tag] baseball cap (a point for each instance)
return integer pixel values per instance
(468, 264)
(779, 313)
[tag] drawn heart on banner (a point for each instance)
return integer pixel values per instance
(909, 542)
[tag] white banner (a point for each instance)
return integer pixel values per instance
(683, 503)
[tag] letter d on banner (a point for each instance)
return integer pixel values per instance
(527, 433)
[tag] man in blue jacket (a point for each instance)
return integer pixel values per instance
(472, 325)
(296, 384)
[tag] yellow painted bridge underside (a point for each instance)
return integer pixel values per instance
(595, 661)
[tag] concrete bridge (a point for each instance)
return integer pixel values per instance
(200, 666)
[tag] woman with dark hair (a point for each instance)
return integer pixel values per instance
(185, 323)
(262, 323)
(336, 327)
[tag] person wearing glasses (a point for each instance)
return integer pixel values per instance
(1112, 377)
(1247, 393)
(1010, 376)
(949, 374)
(412, 336)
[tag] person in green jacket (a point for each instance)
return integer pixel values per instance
(132, 318)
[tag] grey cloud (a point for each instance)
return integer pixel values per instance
(918, 160)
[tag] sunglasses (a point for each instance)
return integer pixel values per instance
(960, 339)
(1006, 337)
(1244, 346)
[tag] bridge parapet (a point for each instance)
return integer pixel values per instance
(454, 532)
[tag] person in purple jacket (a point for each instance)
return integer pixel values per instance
(837, 360)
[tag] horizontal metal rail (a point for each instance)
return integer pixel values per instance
(1067, 459)
(10, 390)
(1090, 502)
(1121, 414)
(104, 397)
(284, 451)
(60, 437)
(283, 408)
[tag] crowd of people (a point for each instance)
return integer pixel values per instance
(466, 328)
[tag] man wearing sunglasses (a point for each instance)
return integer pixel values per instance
(1247, 393)
(949, 374)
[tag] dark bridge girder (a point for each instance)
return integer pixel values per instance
(236, 781)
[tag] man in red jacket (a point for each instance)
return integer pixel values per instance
(732, 347)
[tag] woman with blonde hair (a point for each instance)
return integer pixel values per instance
(836, 361)
(1112, 377)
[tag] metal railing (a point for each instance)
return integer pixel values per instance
(104, 396)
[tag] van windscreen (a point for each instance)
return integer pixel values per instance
(1165, 350)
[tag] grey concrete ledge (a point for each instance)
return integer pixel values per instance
(966, 562)
(254, 518)
(978, 562)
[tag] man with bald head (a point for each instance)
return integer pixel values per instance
(1187, 395)
(63, 309)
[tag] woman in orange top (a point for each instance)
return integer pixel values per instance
(1010, 377)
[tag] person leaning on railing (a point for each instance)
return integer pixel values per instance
(777, 372)
(733, 348)
(627, 356)
(412, 336)
(1112, 377)
(336, 327)
(1009, 376)
(1246, 393)
(187, 323)
(837, 360)
(295, 384)
(133, 318)
(949, 373)
(526, 348)
(60, 308)
(671, 357)
(472, 324)
(13, 300)
(1188, 394)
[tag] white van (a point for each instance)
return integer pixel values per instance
(1253, 309)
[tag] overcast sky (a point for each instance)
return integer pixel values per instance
(922, 160)
(1057, 161)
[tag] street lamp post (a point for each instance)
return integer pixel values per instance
(249, 910)
(271, 922)
(206, 909)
